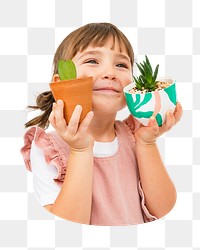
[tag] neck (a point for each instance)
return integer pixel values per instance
(102, 128)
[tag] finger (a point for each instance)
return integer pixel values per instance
(58, 109)
(169, 122)
(86, 122)
(52, 116)
(170, 119)
(59, 118)
(153, 124)
(74, 120)
(178, 112)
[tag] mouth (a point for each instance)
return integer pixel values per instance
(106, 90)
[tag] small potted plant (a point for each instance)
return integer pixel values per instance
(72, 90)
(150, 96)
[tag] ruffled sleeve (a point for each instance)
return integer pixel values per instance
(54, 155)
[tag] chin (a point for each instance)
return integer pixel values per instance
(108, 107)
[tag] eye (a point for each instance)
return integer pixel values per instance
(92, 61)
(122, 65)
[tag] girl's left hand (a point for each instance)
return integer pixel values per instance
(149, 134)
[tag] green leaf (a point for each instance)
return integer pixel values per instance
(155, 73)
(148, 63)
(135, 79)
(148, 74)
(137, 83)
(140, 69)
(143, 67)
(66, 70)
(143, 80)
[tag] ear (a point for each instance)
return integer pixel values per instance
(56, 78)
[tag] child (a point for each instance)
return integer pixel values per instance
(103, 171)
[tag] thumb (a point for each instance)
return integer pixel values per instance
(153, 124)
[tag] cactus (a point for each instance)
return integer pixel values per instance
(147, 79)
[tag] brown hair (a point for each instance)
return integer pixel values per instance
(93, 34)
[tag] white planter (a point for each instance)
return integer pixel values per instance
(157, 103)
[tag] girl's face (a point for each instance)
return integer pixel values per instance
(111, 71)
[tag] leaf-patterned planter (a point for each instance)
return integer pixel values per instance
(157, 103)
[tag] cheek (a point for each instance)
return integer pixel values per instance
(127, 81)
(82, 72)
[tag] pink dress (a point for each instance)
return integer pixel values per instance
(117, 197)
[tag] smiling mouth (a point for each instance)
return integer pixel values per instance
(106, 90)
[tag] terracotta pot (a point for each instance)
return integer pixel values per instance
(74, 92)
(157, 103)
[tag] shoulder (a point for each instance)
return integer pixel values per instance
(38, 164)
(29, 136)
(53, 148)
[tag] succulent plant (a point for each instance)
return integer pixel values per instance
(66, 70)
(147, 79)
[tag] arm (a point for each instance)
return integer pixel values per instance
(75, 198)
(160, 193)
(159, 190)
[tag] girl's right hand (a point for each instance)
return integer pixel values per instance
(75, 135)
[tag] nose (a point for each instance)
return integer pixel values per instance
(109, 73)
